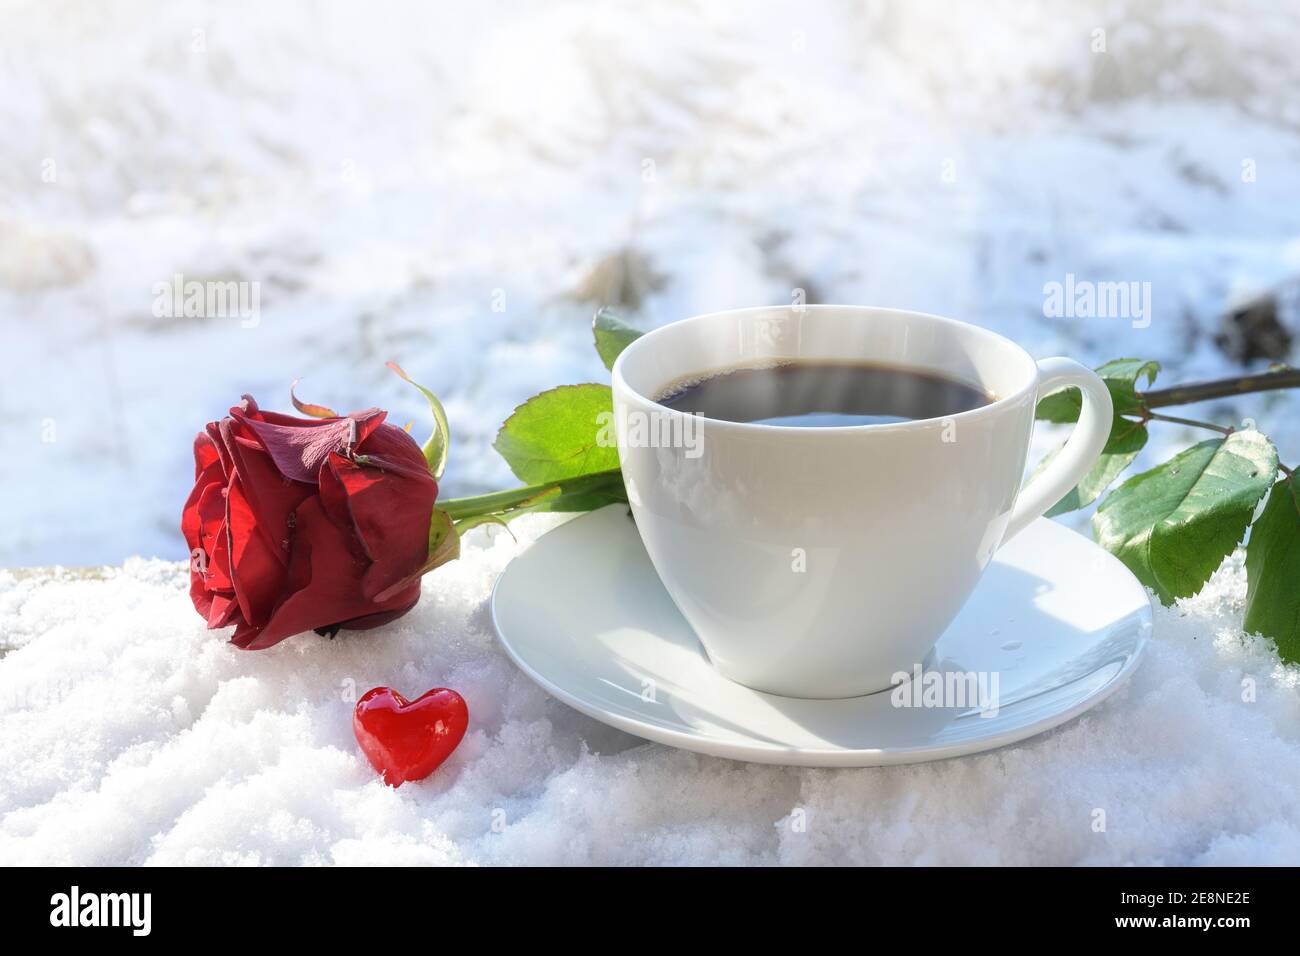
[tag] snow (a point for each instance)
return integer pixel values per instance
(458, 189)
(129, 735)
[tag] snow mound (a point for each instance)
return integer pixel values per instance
(131, 735)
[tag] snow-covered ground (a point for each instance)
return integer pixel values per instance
(459, 186)
(142, 739)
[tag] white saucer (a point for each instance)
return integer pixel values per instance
(1061, 622)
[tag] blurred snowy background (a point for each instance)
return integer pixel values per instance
(458, 187)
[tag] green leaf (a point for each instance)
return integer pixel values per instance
(1121, 378)
(561, 433)
(444, 545)
(612, 335)
(435, 449)
(1127, 438)
(466, 524)
(1174, 525)
(1273, 571)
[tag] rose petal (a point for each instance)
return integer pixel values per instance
(257, 572)
(408, 597)
(210, 514)
(273, 498)
(213, 431)
(199, 594)
(224, 608)
(389, 514)
(324, 584)
(299, 446)
(396, 447)
(299, 452)
(206, 458)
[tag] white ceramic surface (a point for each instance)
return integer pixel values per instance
(582, 612)
(890, 526)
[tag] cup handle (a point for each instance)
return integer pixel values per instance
(1080, 452)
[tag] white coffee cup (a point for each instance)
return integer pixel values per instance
(820, 562)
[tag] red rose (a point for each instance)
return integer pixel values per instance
(306, 524)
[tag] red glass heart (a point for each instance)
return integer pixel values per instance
(408, 739)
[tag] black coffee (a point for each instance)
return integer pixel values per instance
(822, 394)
